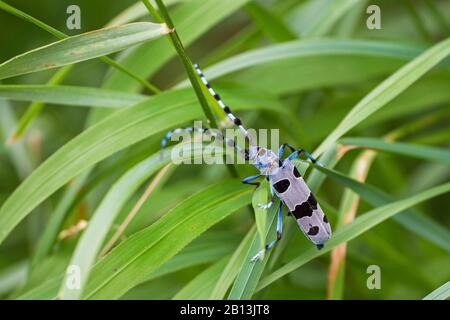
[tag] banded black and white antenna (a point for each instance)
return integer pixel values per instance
(224, 107)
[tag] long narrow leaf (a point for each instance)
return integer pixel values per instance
(411, 150)
(120, 130)
(145, 251)
(81, 47)
(70, 95)
(388, 90)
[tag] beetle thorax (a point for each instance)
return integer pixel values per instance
(265, 160)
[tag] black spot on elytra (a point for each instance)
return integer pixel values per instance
(296, 173)
(302, 210)
(313, 231)
(282, 185)
(217, 97)
(312, 201)
(237, 121)
(227, 109)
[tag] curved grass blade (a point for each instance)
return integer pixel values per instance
(205, 250)
(260, 197)
(250, 272)
(130, 262)
(388, 90)
(122, 129)
(430, 91)
(56, 221)
(35, 108)
(106, 213)
(70, 95)
(231, 270)
(411, 150)
(360, 225)
(310, 48)
(201, 286)
(81, 47)
(103, 218)
(93, 145)
(410, 219)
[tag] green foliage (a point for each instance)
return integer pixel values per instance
(75, 182)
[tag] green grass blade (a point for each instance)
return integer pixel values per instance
(250, 272)
(182, 55)
(158, 242)
(132, 124)
(411, 150)
(311, 48)
(130, 262)
(191, 19)
(260, 198)
(202, 285)
(56, 221)
(205, 250)
(120, 130)
(411, 219)
(103, 218)
(441, 293)
(35, 108)
(106, 213)
(360, 225)
(388, 90)
(81, 47)
(70, 95)
(60, 35)
(231, 270)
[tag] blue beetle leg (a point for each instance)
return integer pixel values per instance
(298, 152)
(282, 147)
(279, 234)
(249, 180)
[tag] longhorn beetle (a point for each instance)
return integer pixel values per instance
(284, 179)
